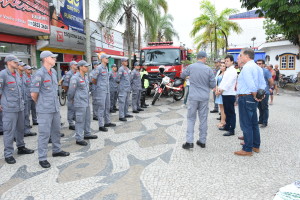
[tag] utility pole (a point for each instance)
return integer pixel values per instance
(87, 33)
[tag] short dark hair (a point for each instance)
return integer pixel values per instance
(249, 52)
(261, 60)
(271, 66)
(230, 57)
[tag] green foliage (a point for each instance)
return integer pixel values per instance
(162, 30)
(284, 12)
(272, 29)
(216, 26)
(127, 12)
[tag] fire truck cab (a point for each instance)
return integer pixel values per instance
(163, 53)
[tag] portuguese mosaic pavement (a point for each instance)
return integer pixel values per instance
(143, 159)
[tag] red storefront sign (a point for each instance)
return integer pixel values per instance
(109, 51)
(71, 57)
(29, 14)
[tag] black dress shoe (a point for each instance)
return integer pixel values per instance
(223, 129)
(259, 122)
(228, 134)
(123, 119)
(112, 111)
(128, 116)
(219, 118)
(110, 125)
(135, 111)
(143, 106)
(202, 145)
(95, 118)
(90, 137)
(72, 127)
(116, 109)
(30, 126)
(35, 123)
(82, 143)
(30, 134)
(24, 150)
(214, 111)
(61, 154)
(146, 104)
(139, 109)
(102, 128)
(188, 145)
(1, 133)
(10, 160)
(263, 126)
(62, 135)
(44, 164)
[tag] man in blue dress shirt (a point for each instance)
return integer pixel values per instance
(250, 80)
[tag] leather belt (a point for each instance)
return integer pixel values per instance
(241, 95)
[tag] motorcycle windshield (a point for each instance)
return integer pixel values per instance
(156, 57)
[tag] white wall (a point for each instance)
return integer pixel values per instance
(251, 28)
(274, 51)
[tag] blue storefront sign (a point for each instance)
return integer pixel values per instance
(67, 14)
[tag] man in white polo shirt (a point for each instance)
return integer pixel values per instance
(228, 90)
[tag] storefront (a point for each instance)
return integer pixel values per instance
(69, 46)
(19, 46)
(18, 28)
(107, 41)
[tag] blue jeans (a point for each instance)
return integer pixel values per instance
(263, 108)
(248, 122)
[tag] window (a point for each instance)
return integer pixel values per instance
(287, 61)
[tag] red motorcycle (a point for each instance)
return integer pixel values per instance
(168, 87)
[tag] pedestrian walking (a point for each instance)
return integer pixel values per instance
(124, 90)
(136, 86)
(43, 90)
(263, 105)
(79, 95)
(12, 105)
(250, 80)
(145, 85)
(65, 86)
(227, 89)
(93, 93)
(202, 80)
(114, 86)
(101, 80)
(276, 80)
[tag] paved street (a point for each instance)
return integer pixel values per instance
(143, 159)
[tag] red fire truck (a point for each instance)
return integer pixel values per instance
(163, 53)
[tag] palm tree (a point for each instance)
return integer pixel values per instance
(212, 23)
(163, 30)
(126, 12)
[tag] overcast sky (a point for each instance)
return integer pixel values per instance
(184, 13)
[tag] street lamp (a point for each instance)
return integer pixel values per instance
(253, 39)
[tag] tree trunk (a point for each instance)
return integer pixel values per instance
(128, 27)
(226, 41)
(216, 44)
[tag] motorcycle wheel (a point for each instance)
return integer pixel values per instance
(155, 97)
(179, 96)
(62, 98)
(282, 84)
(297, 86)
